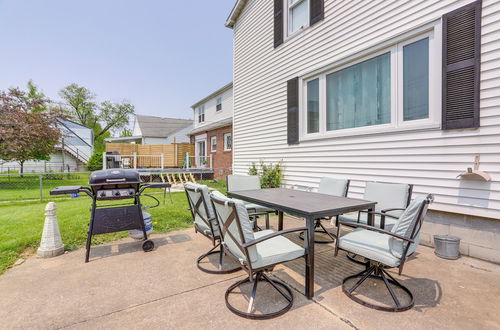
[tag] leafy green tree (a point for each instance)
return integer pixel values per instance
(126, 132)
(103, 118)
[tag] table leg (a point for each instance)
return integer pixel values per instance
(309, 245)
(371, 219)
(280, 220)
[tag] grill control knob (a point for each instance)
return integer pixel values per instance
(131, 192)
(117, 193)
(103, 194)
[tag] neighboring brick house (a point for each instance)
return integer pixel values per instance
(212, 134)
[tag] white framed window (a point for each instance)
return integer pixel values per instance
(228, 141)
(201, 113)
(218, 103)
(213, 143)
(395, 87)
(297, 17)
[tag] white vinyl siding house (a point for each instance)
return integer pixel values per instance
(401, 139)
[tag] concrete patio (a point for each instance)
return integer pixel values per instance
(122, 287)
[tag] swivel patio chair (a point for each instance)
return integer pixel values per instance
(257, 253)
(385, 249)
(248, 182)
(391, 198)
(205, 223)
(328, 186)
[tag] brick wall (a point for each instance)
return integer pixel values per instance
(222, 161)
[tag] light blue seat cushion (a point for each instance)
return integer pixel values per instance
(242, 182)
(275, 250)
(363, 218)
(199, 191)
(246, 229)
(332, 186)
(369, 244)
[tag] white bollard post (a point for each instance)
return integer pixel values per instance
(51, 244)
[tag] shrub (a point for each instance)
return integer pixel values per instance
(270, 175)
(95, 161)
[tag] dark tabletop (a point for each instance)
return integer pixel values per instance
(302, 202)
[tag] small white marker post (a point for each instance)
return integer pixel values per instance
(51, 244)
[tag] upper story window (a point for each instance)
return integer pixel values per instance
(298, 15)
(201, 113)
(396, 87)
(218, 103)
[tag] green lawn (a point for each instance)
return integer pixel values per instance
(14, 187)
(21, 223)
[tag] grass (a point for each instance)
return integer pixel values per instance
(21, 223)
(14, 187)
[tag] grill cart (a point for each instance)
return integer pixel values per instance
(111, 185)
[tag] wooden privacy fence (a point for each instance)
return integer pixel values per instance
(173, 154)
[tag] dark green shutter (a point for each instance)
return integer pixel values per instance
(278, 22)
(316, 11)
(461, 67)
(293, 111)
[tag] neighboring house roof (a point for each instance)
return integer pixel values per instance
(211, 126)
(152, 126)
(235, 13)
(213, 94)
(123, 139)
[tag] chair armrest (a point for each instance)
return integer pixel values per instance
(257, 213)
(277, 233)
(383, 231)
(381, 214)
(393, 209)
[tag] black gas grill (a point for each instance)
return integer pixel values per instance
(108, 185)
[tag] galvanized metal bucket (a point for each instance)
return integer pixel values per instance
(447, 246)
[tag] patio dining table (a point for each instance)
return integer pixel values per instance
(308, 205)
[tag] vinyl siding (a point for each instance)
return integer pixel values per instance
(429, 158)
(211, 113)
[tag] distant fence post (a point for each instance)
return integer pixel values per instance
(162, 160)
(41, 188)
(104, 160)
(135, 160)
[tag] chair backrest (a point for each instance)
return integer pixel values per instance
(409, 224)
(242, 182)
(201, 208)
(335, 187)
(235, 226)
(388, 196)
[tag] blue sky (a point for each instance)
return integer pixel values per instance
(161, 55)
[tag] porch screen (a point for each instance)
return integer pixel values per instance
(359, 95)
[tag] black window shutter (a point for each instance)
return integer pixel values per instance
(278, 22)
(461, 67)
(316, 11)
(293, 111)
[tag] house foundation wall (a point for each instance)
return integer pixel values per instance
(479, 237)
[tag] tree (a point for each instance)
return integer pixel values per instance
(28, 128)
(126, 132)
(103, 118)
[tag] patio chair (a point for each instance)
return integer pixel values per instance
(391, 198)
(257, 253)
(384, 249)
(328, 186)
(248, 182)
(205, 223)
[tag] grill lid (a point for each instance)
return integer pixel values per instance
(114, 176)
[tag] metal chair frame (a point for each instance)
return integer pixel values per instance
(320, 229)
(216, 239)
(255, 275)
(377, 270)
(255, 214)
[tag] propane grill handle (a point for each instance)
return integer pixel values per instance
(116, 180)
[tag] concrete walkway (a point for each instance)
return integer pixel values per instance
(123, 287)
